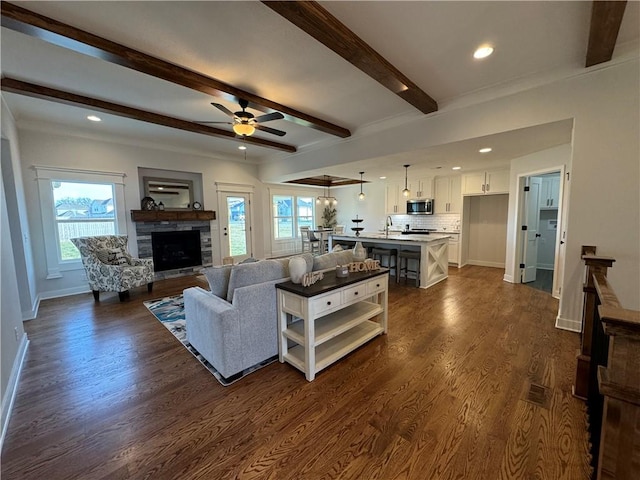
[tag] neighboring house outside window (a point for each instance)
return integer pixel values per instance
(290, 212)
(77, 203)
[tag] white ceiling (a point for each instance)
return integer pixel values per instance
(251, 47)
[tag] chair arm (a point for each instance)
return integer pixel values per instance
(142, 262)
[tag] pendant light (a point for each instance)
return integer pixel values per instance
(406, 191)
(361, 196)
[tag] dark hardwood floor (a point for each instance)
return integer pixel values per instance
(108, 393)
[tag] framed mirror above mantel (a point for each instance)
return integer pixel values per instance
(174, 194)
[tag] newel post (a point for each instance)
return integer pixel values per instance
(594, 265)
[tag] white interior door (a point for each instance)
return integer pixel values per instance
(235, 225)
(532, 221)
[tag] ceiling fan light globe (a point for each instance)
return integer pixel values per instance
(244, 129)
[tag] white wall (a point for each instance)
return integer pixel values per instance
(486, 230)
(61, 150)
(605, 106)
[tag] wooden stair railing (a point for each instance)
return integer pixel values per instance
(594, 264)
(613, 383)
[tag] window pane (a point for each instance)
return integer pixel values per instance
(282, 206)
(283, 227)
(81, 210)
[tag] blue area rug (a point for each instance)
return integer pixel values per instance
(170, 312)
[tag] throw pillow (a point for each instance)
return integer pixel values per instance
(218, 278)
(114, 256)
(249, 260)
(337, 248)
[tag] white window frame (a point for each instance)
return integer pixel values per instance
(296, 214)
(45, 176)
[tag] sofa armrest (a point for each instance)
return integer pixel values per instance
(259, 325)
(213, 328)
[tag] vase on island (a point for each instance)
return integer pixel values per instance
(359, 252)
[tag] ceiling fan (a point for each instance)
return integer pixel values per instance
(245, 123)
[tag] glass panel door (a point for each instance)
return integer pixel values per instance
(236, 225)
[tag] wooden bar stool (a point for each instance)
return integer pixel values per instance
(391, 253)
(403, 265)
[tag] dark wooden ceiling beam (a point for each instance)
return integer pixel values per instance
(606, 17)
(314, 20)
(55, 32)
(20, 87)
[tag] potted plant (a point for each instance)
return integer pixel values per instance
(329, 217)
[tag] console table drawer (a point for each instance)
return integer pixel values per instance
(326, 302)
(355, 293)
(377, 285)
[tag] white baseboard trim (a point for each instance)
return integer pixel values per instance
(568, 324)
(12, 386)
(65, 292)
(482, 263)
(33, 313)
(508, 278)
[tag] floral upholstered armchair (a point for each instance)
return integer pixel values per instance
(110, 268)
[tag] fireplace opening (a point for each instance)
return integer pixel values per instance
(173, 250)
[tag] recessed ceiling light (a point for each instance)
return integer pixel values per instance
(456, 168)
(242, 147)
(485, 150)
(93, 118)
(483, 52)
(383, 178)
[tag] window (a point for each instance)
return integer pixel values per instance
(81, 210)
(290, 213)
(75, 203)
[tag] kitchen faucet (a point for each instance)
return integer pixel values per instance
(388, 223)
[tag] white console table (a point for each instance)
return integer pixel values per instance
(329, 319)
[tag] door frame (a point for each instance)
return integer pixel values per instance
(559, 257)
(225, 189)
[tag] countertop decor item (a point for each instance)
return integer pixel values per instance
(357, 228)
(342, 271)
(147, 203)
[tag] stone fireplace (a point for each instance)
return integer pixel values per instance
(170, 233)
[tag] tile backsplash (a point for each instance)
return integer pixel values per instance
(444, 221)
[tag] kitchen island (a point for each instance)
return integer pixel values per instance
(433, 248)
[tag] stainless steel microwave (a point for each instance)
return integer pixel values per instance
(420, 206)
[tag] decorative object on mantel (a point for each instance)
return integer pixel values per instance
(148, 203)
(297, 268)
(357, 228)
(359, 252)
(197, 206)
(161, 206)
(310, 278)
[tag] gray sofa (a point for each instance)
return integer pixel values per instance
(235, 325)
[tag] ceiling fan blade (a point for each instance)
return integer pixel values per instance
(273, 131)
(224, 109)
(226, 123)
(269, 116)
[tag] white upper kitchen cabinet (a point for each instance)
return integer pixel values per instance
(421, 187)
(550, 192)
(395, 202)
(489, 182)
(448, 194)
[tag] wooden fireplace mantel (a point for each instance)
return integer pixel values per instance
(172, 215)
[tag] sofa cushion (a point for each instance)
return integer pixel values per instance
(218, 278)
(113, 256)
(251, 273)
(331, 259)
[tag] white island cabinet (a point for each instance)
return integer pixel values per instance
(322, 323)
(433, 248)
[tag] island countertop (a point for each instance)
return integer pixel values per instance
(373, 236)
(433, 248)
